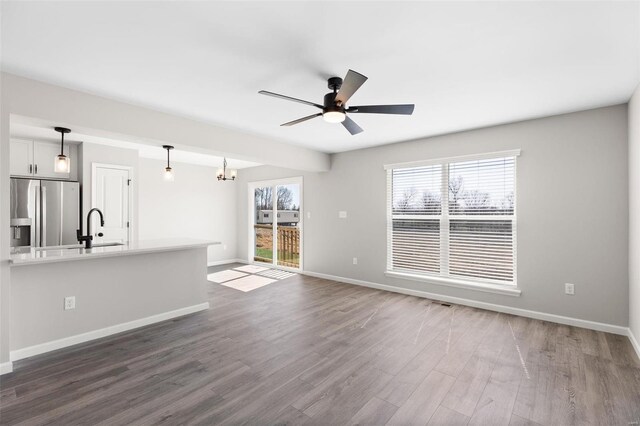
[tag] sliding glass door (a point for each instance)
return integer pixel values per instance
(276, 225)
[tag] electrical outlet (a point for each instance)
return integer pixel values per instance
(308, 215)
(569, 289)
(355, 260)
(224, 247)
(69, 303)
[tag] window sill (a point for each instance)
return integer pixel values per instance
(452, 282)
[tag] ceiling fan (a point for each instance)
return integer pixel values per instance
(334, 108)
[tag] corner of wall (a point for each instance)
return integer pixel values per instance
(634, 218)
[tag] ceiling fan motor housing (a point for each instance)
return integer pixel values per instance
(330, 103)
(334, 83)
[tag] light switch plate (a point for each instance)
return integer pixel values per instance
(342, 214)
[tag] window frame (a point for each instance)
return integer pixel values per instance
(443, 277)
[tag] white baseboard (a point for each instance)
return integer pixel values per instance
(6, 367)
(224, 262)
(634, 342)
(592, 325)
(103, 332)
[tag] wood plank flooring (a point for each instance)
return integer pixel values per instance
(311, 351)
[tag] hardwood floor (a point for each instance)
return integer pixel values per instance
(311, 351)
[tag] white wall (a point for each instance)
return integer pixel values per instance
(98, 116)
(5, 273)
(571, 200)
(634, 216)
(194, 205)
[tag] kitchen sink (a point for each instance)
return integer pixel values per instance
(79, 246)
(97, 245)
(76, 246)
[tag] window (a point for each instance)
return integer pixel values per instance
(454, 218)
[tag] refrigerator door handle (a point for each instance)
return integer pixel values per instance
(61, 216)
(43, 217)
(36, 219)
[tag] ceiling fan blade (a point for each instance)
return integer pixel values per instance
(406, 109)
(351, 83)
(351, 126)
(300, 120)
(289, 98)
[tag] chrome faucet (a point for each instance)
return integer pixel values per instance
(88, 239)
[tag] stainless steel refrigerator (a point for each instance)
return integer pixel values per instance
(44, 212)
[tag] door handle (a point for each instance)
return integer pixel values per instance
(36, 231)
(30, 168)
(43, 218)
(36, 169)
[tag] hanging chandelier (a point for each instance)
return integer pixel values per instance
(222, 173)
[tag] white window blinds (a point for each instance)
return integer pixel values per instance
(454, 219)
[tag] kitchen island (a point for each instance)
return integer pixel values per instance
(115, 288)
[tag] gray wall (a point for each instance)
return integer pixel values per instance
(194, 205)
(571, 200)
(634, 214)
(109, 291)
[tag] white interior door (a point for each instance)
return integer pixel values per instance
(111, 195)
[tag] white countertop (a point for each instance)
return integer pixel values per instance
(32, 256)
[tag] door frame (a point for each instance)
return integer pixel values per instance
(251, 187)
(94, 183)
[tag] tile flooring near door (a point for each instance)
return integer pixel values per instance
(310, 351)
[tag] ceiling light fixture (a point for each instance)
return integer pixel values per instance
(62, 163)
(168, 171)
(222, 173)
(334, 116)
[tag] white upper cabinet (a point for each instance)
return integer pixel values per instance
(21, 158)
(36, 159)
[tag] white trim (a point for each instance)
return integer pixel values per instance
(592, 325)
(471, 157)
(103, 332)
(634, 341)
(509, 290)
(6, 367)
(224, 262)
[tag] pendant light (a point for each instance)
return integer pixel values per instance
(222, 173)
(168, 171)
(62, 163)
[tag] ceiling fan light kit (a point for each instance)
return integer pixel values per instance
(334, 108)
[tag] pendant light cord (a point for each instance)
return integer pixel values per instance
(62, 144)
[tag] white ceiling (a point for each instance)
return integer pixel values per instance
(178, 155)
(464, 65)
